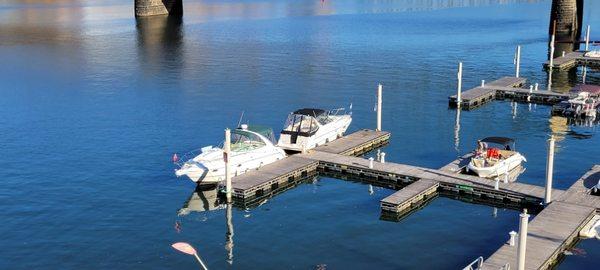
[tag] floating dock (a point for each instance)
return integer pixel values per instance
(552, 231)
(272, 177)
(505, 88)
(573, 59)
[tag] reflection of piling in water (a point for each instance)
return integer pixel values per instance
(229, 234)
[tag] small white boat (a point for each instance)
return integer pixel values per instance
(251, 148)
(594, 54)
(583, 105)
(309, 128)
(491, 162)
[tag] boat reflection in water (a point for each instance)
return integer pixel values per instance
(202, 199)
(205, 199)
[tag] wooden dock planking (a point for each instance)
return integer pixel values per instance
(269, 177)
(409, 196)
(356, 143)
(571, 60)
(459, 164)
(400, 173)
(580, 192)
(506, 88)
(478, 96)
(550, 233)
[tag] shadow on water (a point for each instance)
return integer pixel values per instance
(160, 44)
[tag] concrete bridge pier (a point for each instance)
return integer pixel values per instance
(568, 15)
(145, 8)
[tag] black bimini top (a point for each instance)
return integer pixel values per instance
(498, 140)
(310, 112)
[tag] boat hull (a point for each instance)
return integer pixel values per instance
(500, 168)
(328, 133)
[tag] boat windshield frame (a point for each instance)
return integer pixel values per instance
(244, 140)
(301, 125)
(506, 143)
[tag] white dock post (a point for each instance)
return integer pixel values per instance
(497, 184)
(379, 101)
(563, 54)
(459, 87)
(511, 241)
(382, 157)
(226, 156)
(536, 86)
(587, 38)
(549, 170)
(371, 162)
(378, 155)
(482, 83)
(518, 61)
(522, 239)
(530, 91)
(552, 51)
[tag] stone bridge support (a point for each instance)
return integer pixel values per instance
(568, 15)
(158, 7)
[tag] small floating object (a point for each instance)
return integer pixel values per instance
(175, 158)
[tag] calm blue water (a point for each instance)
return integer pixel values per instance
(94, 103)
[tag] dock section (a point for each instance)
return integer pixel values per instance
(550, 233)
(409, 198)
(282, 173)
(554, 229)
(571, 60)
(506, 88)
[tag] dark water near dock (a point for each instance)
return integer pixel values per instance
(93, 104)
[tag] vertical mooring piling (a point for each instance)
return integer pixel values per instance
(522, 239)
(549, 171)
(226, 156)
(379, 101)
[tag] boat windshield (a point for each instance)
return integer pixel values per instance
(301, 124)
(242, 141)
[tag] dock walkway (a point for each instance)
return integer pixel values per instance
(554, 229)
(505, 88)
(269, 178)
(571, 60)
(550, 232)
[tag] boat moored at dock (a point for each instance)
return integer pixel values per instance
(308, 128)
(493, 161)
(252, 147)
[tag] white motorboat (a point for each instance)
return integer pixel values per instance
(308, 128)
(491, 162)
(594, 54)
(583, 105)
(251, 146)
